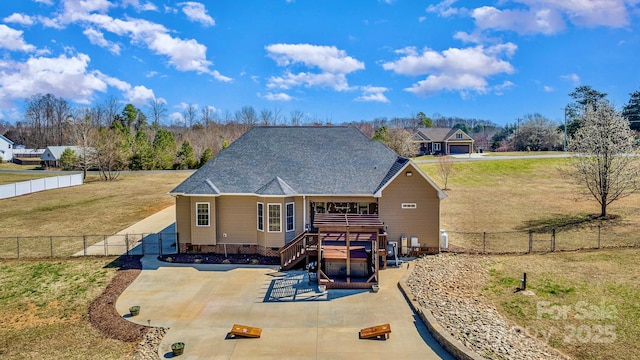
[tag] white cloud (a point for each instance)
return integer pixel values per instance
(445, 8)
(151, 74)
(40, 75)
(21, 19)
(422, 18)
(51, 75)
(176, 117)
(326, 58)
(97, 38)
(11, 39)
(334, 65)
(506, 85)
(373, 94)
(183, 54)
(196, 11)
(277, 97)
(139, 95)
(453, 69)
(547, 88)
(147, 6)
(46, 2)
(573, 78)
(548, 16)
(546, 21)
(288, 80)
(612, 13)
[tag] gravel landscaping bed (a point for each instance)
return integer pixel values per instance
(449, 286)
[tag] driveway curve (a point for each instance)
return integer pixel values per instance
(200, 303)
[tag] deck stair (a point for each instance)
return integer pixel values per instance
(300, 248)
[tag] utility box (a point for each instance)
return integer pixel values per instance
(444, 239)
(404, 243)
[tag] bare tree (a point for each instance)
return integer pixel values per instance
(296, 117)
(246, 116)
(398, 139)
(82, 135)
(604, 163)
(277, 114)
(445, 169)
(190, 114)
(157, 110)
(208, 115)
(112, 110)
(111, 153)
(266, 116)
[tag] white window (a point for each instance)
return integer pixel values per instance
(290, 221)
(275, 218)
(458, 136)
(409, 205)
(260, 216)
(436, 146)
(202, 214)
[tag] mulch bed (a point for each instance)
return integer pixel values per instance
(102, 311)
(247, 259)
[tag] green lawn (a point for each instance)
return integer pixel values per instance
(43, 310)
(10, 178)
(586, 304)
(508, 197)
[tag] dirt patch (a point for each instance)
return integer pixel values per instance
(247, 259)
(102, 311)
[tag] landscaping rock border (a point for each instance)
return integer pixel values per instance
(443, 290)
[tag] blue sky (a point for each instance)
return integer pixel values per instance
(333, 60)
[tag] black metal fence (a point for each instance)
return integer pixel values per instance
(27, 247)
(519, 242)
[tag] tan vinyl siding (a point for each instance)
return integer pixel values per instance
(203, 235)
(237, 218)
(423, 221)
(183, 218)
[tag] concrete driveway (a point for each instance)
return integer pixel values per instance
(200, 303)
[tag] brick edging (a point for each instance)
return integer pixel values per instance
(442, 336)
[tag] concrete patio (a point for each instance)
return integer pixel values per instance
(200, 303)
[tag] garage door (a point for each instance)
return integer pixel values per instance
(459, 149)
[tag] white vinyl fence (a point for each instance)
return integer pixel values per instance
(31, 186)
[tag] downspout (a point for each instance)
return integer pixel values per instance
(304, 212)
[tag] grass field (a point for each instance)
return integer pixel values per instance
(43, 303)
(43, 310)
(9, 178)
(96, 207)
(583, 303)
(11, 166)
(507, 198)
(587, 304)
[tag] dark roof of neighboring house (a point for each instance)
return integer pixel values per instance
(287, 161)
(439, 134)
(6, 139)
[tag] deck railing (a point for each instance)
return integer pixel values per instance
(291, 253)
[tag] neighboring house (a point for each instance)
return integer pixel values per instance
(436, 141)
(51, 156)
(6, 149)
(294, 186)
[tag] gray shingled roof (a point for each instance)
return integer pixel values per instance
(295, 161)
(436, 134)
